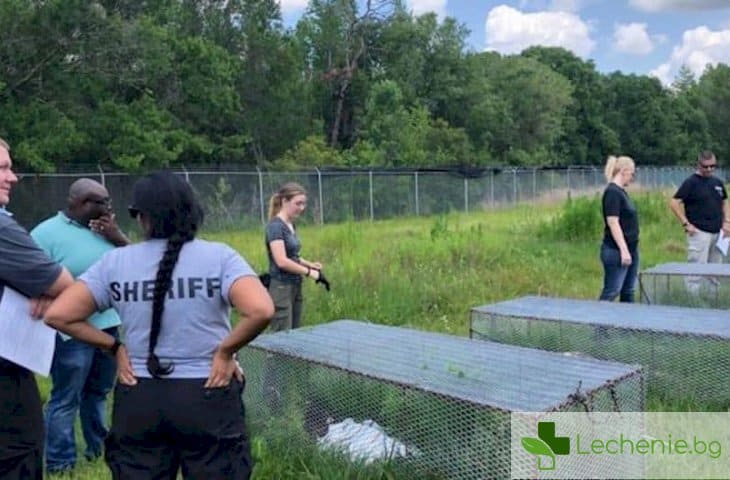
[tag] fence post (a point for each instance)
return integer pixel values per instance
(370, 177)
(568, 174)
(514, 185)
(491, 188)
(534, 183)
(418, 209)
(101, 172)
(187, 175)
(552, 182)
(321, 204)
(466, 194)
(261, 196)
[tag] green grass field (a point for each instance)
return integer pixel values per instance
(426, 273)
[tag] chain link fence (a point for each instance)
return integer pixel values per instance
(686, 351)
(442, 403)
(239, 199)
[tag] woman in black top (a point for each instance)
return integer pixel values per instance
(286, 266)
(620, 247)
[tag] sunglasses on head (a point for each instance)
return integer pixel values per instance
(133, 212)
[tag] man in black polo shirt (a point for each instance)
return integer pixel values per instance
(27, 269)
(701, 206)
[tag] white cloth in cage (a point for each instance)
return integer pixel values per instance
(366, 441)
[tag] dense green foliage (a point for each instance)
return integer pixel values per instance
(137, 85)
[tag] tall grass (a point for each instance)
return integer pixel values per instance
(426, 273)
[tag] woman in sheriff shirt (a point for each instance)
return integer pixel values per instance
(177, 403)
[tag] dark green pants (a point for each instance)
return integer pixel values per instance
(287, 299)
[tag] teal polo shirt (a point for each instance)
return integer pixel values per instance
(77, 248)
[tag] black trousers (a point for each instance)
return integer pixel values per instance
(21, 424)
(162, 426)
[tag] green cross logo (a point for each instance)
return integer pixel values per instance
(546, 444)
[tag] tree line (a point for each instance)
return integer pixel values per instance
(142, 84)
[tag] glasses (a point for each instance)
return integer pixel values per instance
(133, 212)
(103, 202)
(709, 166)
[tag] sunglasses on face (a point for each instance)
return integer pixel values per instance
(133, 212)
(103, 202)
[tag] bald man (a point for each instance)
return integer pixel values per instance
(27, 269)
(82, 375)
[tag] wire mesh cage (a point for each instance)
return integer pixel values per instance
(443, 402)
(701, 285)
(686, 351)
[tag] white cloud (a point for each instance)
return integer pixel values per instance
(553, 5)
(565, 5)
(419, 7)
(632, 38)
(659, 5)
(511, 31)
(290, 6)
(700, 47)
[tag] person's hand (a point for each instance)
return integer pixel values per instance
(224, 368)
(125, 373)
(106, 226)
(726, 228)
(314, 273)
(315, 265)
(323, 280)
(39, 305)
(690, 229)
(625, 258)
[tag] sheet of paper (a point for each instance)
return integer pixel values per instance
(723, 243)
(24, 340)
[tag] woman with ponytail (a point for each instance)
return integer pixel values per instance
(177, 403)
(286, 266)
(620, 247)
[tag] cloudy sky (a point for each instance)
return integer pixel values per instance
(635, 36)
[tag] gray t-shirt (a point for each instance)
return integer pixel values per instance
(278, 230)
(197, 309)
(24, 266)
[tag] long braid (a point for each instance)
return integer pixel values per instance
(169, 211)
(163, 282)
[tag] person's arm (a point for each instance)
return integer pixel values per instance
(61, 283)
(107, 227)
(278, 252)
(39, 304)
(677, 207)
(310, 264)
(618, 236)
(68, 314)
(726, 217)
(256, 309)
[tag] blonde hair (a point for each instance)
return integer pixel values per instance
(616, 164)
(286, 192)
(4, 144)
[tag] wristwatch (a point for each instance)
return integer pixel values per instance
(115, 346)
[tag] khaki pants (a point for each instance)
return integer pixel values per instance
(287, 298)
(701, 249)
